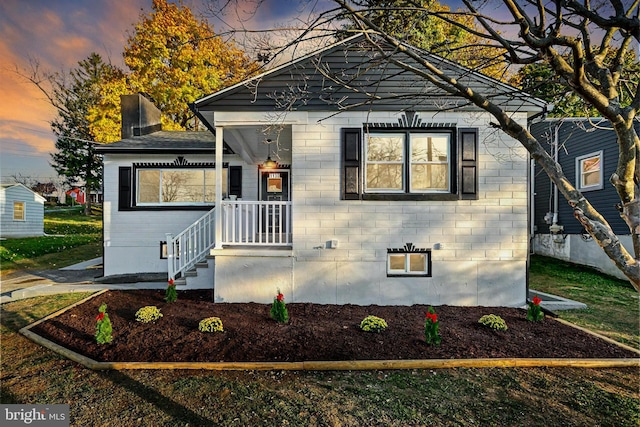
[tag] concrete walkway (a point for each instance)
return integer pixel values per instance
(81, 277)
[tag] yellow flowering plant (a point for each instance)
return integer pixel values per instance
(211, 324)
(494, 322)
(373, 324)
(149, 313)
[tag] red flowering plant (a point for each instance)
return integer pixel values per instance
(431, 326)
(534, 312)
(279, 309)
(103, 326)
(171, 295)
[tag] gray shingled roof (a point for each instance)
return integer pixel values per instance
(164, 141)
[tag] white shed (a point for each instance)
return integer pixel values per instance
(21, 211)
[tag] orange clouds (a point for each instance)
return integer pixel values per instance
(57, 34)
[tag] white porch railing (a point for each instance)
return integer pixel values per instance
(256, 223)
(191, 245)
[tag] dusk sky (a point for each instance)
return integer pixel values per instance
(58, 34)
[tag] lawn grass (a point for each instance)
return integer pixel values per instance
(613, 305)
(69, 235)
(448, 397)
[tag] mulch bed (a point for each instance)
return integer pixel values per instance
(315, 332)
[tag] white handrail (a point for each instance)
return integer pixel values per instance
(191, 245)
(256, 223)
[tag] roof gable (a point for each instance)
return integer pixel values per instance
(23, 189)
(352, 74)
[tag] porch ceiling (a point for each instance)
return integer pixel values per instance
(252, 142)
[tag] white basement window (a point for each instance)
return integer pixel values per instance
(409, 261)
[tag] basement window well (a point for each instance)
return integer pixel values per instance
(409, 262)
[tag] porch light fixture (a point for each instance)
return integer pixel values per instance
(269, 163)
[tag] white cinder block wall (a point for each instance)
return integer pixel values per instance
(484, 242)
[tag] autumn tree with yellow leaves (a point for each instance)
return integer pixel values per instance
(174, 58)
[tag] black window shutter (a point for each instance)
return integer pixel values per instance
(124, 188)
(235, 181)
(351, 164)
(468, 138)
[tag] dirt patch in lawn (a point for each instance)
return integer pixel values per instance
(315, 332)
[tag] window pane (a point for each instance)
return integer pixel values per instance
(590, 169)
(384, 176)
(210, 185)
(385, 148)
(417, 263)
(592, 164)
(429, 148)
(397, 262)
(18, 211)
(149, 186)
(181, 186)
(429, 177)
(591, 178)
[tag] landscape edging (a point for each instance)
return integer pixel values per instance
(332, 365)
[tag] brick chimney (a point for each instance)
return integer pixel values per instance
(139, 116)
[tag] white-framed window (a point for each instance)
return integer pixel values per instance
(409, 261)
(589, 172)
(407, 162)
(177, 186)
(19, 211)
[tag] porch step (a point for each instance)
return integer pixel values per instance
(199, 277)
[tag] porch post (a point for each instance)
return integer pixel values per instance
(218, 211)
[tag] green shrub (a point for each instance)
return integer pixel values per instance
(149, 313)
(211, 324)
(170, 294)
(494, 322)
(103, 326)
(373, 324)
(278, 310)
(431, 327)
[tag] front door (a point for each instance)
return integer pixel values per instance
(274, 187)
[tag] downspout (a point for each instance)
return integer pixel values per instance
(554, 228)
(542, 115)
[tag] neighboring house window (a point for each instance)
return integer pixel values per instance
(423, 163)
(589, 172)
(409, 261)
(19, 213)
(177, 186)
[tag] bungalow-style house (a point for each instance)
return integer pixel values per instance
(310, 187)
(21, 211)
(587, 150)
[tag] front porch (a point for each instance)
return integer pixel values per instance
(253, 226)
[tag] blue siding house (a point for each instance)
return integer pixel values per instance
(587, 150)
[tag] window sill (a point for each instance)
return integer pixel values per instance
(169, 208)
(411, 197)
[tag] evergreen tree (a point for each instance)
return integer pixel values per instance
(73, 95)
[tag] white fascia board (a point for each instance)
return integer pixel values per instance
(229, 118)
